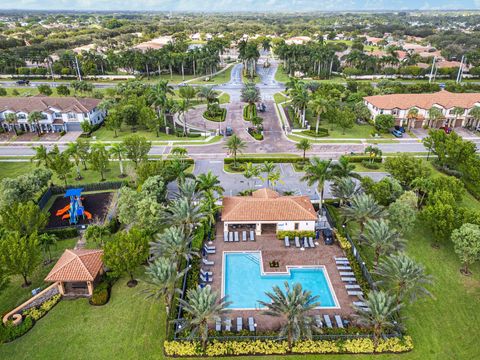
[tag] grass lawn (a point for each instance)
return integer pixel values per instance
(279, 98)
(281, 75)
(324, 140)
(221, 78)
(360, 168)
(357, 131)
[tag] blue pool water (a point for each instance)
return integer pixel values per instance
(244, 285)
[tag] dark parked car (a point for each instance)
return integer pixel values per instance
(23, 82)
(229, 131)
(328, 236)
(397, 133)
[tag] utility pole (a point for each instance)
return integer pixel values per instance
(431, 71)
(79, 74)
(460, 70)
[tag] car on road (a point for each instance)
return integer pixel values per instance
(228, 131)
(22, 82)
(397, 133)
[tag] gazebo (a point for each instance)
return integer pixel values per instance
(77, 271)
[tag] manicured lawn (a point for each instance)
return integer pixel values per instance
(279, 98)
(14, 294)
(103, 134)
(357, 131)
(281, 75)
(221, 78)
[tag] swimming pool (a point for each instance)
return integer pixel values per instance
(244, 282)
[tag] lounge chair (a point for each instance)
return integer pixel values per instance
(230, 236)
(225, 236)
(207, 262)
(318, 321)
(251, 324)
(228, 324)
(340, 258)
(206, 278)
(244, 235)
(305, 243)
(360, 304)
(339, 321)
(328, 322)
(287, 241)
(347, 273)
(343, 267)
(297, 242)
(252, 235)
(209, 247)
(355, 293)
(310, 241)
(237, 238)
(352, 287)
(342, 262)
(205, 273)
(239, 324)
(218, 324)
(348, 279)
(208, 251)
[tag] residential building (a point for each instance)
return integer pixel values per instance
(399, 105)
(58, 113)
(268, 211)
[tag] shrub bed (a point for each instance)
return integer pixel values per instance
(217, 117)
(322, 132)
(291, 234)
(256, 135)
(101, 294)
(65, 233)
(249, 112)
(271, 347)
(371, 165)
(361, 158)
(257, 160)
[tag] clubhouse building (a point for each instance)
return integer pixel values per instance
(57, 113)
(412, 110)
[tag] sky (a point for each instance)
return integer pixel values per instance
(240, 5)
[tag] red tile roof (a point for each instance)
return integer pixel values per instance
(267, 205)
(45, 103)
(77, 265)
(443, 98)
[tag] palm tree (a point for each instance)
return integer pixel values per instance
(362, 208)
(187, 92)
(403, 277)
(74, 153)
(303, 145)
(434, 114)
(46, 241)
(458, 111)
(412, 114)
(202, 306)
(235, 146)
(475, 113)
(41, 156)
(293, 306)
(209, 183)
(379, 313)
(250, 171)
(117, 150)
(268, 168)
(188, 190)
(183, 106)
(11, 120)
(34, 118)
(382, 238)
(344, 188)
(158, 97)
(300, 99)
(274, 177)
(317, 172)
(187, 214)
(172, 244)
(162, 278)
(320, 106)
(343, 168)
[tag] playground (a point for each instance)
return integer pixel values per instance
(75, 207)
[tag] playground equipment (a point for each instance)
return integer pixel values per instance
(75, 208)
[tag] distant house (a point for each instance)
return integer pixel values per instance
(154, 44)
(298, 40)
(399, 105)
(58, 113)
(267, 210)
(196, 37)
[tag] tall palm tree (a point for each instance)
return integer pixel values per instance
(162, 278)
(434, 114)
(202, 306)
(458, 111)
(209, 183)
(250, 171)
(11, 120)
(320, 106)
(157, 96)
(300, 99)
(183, 106)
(344, 188)
(475, 114)
(33, 119)
(118, 150)
(381, 238)
(292, 305)
(344, 168)
(46, 241)
(304, 145)
(172, 244)
(362, 208)
(74, 153)
(268, 168)
(403, 277)
(235, 146)
(317, 172)
(379, 313)
(41, 156)
(186, 214)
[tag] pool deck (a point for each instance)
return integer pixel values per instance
(274, 249)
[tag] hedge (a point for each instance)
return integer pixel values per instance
(257, 160)
(322, 132)
(253, 112)
(271, 347)
(360, 158)
(216, 118)
(293, 233)
(64, 233)
(371, 165)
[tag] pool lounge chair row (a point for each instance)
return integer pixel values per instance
(348, 276)
(228, 324)
(336, 321)
(234, 236)
(299, 243)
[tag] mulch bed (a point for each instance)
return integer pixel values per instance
(96, 204)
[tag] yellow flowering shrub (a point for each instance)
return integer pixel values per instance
(316, 347)
(268, 347)
(357, 346)
(182, 348)
(342, 241)
(395, 345)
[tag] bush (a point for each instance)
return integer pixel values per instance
(342, 240)
(3, 92)
(65, 233)
(293, 233)
(101, 294)
(113, 225)
(362, 158)
(218, 116)
(322, 132)
(50, 303)
(249, 112)
(371, 165)
(10, 332)
(255, 160)
(62, 133)
(34, 313)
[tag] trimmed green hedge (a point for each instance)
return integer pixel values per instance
(10, 332)
(361, 158)
(371, 165)
(249, 114)
(255, 160)
(293, 233)
(65, 233)
(322, 132)
(216, 118)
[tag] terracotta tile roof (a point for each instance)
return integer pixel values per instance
(45, 104)
(267, 205)
(443, 98)
(77, 265)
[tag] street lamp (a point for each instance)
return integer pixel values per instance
(255, 328)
